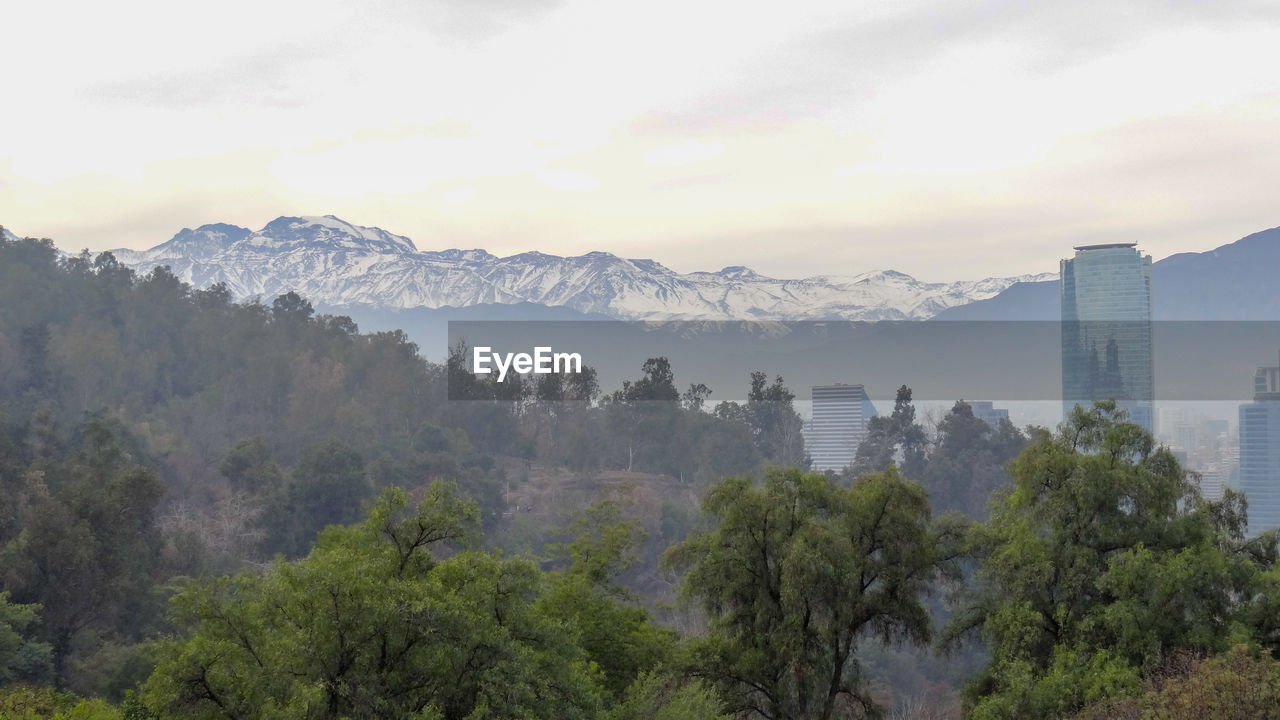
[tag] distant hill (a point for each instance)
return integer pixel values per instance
(383, 280)
(338, 264)
(1020, 301)
(1239, 281)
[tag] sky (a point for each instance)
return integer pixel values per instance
(947, 140)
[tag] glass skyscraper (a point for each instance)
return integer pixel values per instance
(1106, 329)
(1260, 451)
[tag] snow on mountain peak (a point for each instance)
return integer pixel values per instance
(470, 256)
(738, 272)
(337, 263)
(885, 276)
(287, 232)
(532, 256)
(212, 237)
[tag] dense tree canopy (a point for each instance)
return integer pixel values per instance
(89, 550)
(1102, 561)
(373, 623)
(897, 438)
(795, 573)
(151, 430)
(964, 467)
(1241, 684)
(21, 658)
(162, 442)
(370, 624)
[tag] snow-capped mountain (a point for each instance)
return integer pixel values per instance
(338, 264)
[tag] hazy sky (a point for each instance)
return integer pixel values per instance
(947, 140)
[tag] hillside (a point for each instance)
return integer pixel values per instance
(1236, 281)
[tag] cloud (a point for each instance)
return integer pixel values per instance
(266, 77)
(841, 70)
(968, 138)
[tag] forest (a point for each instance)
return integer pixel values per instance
(222, 509)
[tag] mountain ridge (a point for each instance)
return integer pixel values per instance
(1232, 282)
(339, 264)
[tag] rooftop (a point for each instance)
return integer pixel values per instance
(1106, 246)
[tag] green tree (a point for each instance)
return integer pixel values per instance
(370, 624)
(327, 488)
(656, 384)
(965, 466)
(291, 308)
(88, 554)
(617, 636)
(1241, 684)
(890, 437)
(642, 416)
(35, 356)
(603, 544)
(21, 658)
(726, 444)
(249, 468)
(1102, 561)
(43, 703)
(661, 696)
(695, 398)
(796, 573)
(770, 411)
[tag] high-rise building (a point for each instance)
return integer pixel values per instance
(838, 425)
(1260, 451)
(986, 411)
(1106, 329)
(1266, 380)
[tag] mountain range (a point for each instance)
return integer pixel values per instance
(1237, 281)
(383, 279)
(337, 264)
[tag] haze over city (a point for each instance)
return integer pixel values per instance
(947, 140)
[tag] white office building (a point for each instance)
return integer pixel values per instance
(838, 425)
